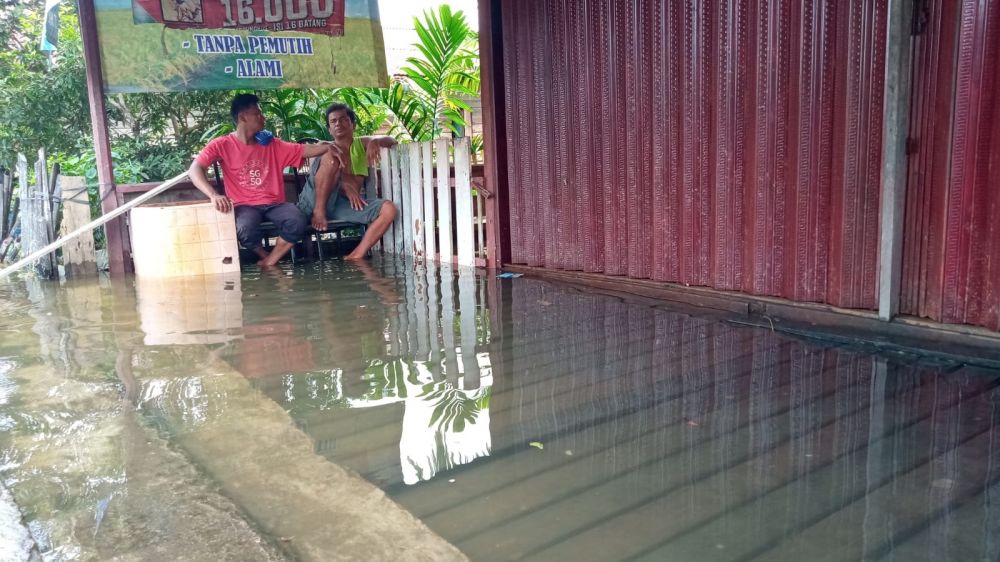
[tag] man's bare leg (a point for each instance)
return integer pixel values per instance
(375, 230)
(281, 247)
(325, 179)
(261, 253)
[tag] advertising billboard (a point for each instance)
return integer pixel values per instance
(176, 45)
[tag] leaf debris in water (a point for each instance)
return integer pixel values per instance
(536, 444)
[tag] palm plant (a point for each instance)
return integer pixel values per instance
(429, 98)
(447, 71)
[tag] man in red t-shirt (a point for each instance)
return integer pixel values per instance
(254, 179)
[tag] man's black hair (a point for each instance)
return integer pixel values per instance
(342, 107)
(241, 103)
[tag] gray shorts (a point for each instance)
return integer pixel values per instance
(339, 207)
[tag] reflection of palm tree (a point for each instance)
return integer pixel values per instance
(388, 379)
(454, 408)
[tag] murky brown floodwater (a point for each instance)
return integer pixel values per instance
(209, 419)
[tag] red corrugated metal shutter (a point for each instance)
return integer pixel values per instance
(730, 144)
(951, 260)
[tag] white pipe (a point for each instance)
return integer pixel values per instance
(92, 225)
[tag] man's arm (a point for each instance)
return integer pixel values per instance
(200, 180)
(314, 150)
(373, 146)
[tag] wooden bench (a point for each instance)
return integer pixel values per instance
(335, 227)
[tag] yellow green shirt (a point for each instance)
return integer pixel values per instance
(359, 158)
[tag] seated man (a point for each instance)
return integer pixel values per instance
(254, 178)
(333, 190)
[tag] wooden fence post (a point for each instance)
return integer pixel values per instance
(430, 222)
(24, 197)
(416, 220)
(48, 266)
(6, 198)
(446, 251)
(385, 175)
(79, 256)
(403, 162)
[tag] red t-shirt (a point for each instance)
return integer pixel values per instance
(252, 172)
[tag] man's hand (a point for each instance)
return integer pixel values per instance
(357, 203)
(338, 158)
(222, 203)
(374, 146)
(374, 152)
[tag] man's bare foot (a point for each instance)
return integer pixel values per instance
(319, 221)
(356, 257)
(280, 249)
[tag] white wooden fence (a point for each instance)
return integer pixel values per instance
(423, 227)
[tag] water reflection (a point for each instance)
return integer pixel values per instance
(658, 435)
(202, 309)
(404, 342)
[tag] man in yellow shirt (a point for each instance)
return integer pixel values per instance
(333, 190)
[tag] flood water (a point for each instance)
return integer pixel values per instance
(206, 419)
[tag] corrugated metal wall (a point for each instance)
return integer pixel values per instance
(951, 248)
(733, 144)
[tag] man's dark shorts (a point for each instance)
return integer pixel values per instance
(287, 218)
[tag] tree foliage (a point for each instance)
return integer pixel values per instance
(44, 102)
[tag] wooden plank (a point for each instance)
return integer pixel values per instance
(447, 252)
(55, 196)
(480, 248)
(416, 220)
(79, 256)
(402, 163)
(6, 181)
(30, 221)
(385, 175)
(46, 266)
(895, 132)
(463, 203)
(395, 195)
(494, 133)
(430, 221)
(24, 196)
